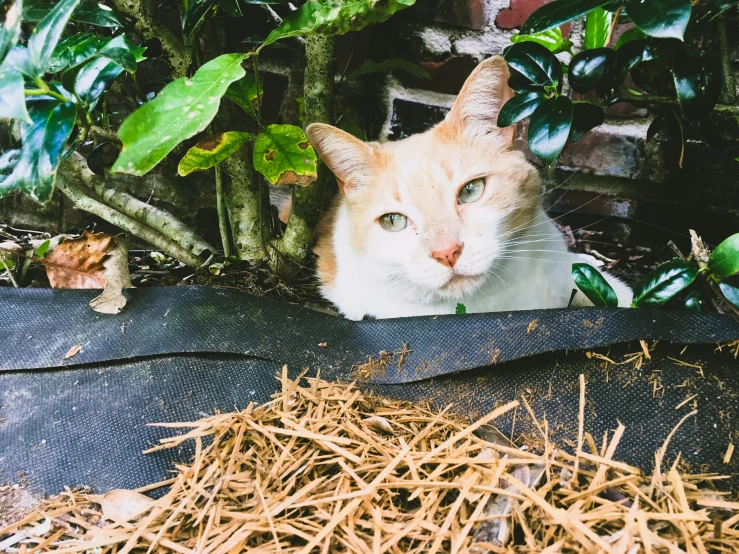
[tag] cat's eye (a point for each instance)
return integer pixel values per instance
(471, 191)
(394, 222)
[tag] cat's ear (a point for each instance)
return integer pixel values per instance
(347, 157)
(476, 109)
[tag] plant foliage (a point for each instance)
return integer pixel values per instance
(656, 58)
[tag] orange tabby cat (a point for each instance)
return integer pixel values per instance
(452, 215)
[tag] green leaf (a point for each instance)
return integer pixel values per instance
(12, 96)
(594, 286)
(94, 78)
(534, 62)
(622, 62)
(99, 15)
(43, 140)
(585, 117)
(551, 40)
(350, 126)
(196, 13)
(588, 68)
(692, 301)
(597, 28)
(183, 108)
(519, 107)
(460, 309)
(247, 93)
(232, 8)
(334, 17)
(75, 50)
(284, 156)
(730, 292)
(8, 160)
(630, 35)
(10, 31)
(41, 249)
(660, 18)
(724, 260)
(549, 128)
(122, 52)
(698, 84)
(558, 13)
(519, 83)
(46, 35)
(661, 284)
(211, 151)
(369, 66)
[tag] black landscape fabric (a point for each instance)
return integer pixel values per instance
(178, 354)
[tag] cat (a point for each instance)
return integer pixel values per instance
(445, 217)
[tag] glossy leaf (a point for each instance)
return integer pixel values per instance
(620, 65)
(552, 40)
(44, 139)
(10, 31)
(698, 84)
(519, 107)
(75, 50)
(549, 128)
(232, 8)
(534, 62)
(247, 93)
(46, 35)
(730, 292)
(284, 156)
(594, 286)
(585, 117)
(335, 17)
(664, 282)
(369, 66)
(519, 83)
(630, 35)
(12, 96)
(460, 309)
(211, 151)
(8, 160)
(588, 68)
(692, 301)
(597, 27)
(94, 78)
(660, 18)
(558, 13)
(182, 109)
(196, 13)
(97, 14)
(122, 52)
(724, 260)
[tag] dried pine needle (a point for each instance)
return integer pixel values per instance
(324, 467)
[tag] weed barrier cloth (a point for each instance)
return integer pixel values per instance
(179, 353)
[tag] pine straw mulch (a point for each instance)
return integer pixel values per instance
(324, 467)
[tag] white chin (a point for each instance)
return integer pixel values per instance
(460, 285)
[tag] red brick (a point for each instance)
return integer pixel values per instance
(520, 10)
(470, 14)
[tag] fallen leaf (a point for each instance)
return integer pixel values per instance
(79, 263)
(379, 424)
(117, 278)
(72, 352)
(122, 504)
(322, 344)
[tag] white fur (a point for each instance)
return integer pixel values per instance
(364, 286)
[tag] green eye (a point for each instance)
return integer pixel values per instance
(394, 222)
(471, 191)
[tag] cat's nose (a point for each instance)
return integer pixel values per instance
(448, 255)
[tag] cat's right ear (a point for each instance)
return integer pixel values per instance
(347, 157)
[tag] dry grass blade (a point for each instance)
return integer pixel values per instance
(325, 468)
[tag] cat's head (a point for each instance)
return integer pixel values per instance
(433, 212)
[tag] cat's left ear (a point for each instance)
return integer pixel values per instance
(476, 109)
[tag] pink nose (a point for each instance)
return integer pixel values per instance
(449, 255)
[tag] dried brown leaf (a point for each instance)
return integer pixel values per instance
(72, 352)
(123, 504)
(79, 263)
